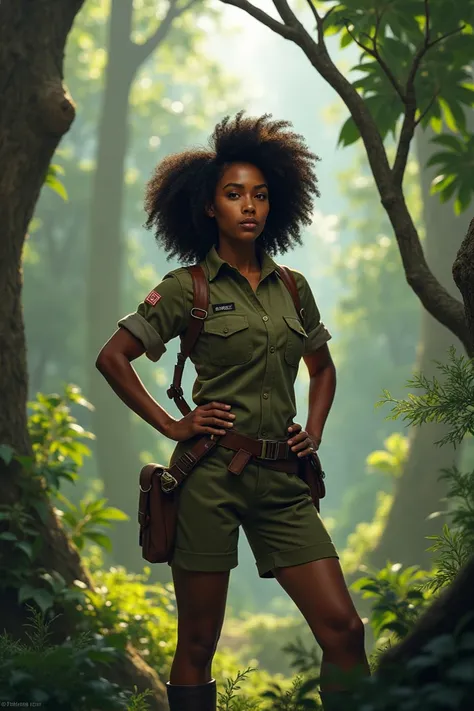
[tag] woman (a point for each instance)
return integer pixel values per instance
(229, 208)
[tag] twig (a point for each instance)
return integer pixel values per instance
(409, 123)
(286, 13)
(144, 50)
(264, 18)
(376, 55)
(430, 104)
(316, 14)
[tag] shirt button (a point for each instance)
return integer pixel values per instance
(226, 330)
(265, 318)
(264, 433)
(265, 396)
(272, 349)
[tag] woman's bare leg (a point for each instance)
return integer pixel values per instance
(201, 600)
(319, 591)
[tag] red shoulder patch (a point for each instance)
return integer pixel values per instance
(153, 298)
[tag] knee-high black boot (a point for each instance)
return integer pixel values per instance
(200, 697)
(336, 700)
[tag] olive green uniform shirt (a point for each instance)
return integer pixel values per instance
(250, 347)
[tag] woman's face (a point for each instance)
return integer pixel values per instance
(241, 204)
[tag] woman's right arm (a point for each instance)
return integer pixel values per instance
(114, 363)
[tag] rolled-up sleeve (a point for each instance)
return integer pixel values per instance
(160, 317)
(317, 332)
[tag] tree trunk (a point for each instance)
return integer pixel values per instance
(419, 492)
(36, 113)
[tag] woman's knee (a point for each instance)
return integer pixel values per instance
(346, 630)
(199, 646)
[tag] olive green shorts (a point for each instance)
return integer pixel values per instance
(275, 509)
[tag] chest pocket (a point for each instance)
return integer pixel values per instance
(228, 339)
(296, 336)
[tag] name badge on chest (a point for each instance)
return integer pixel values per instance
(223, 307)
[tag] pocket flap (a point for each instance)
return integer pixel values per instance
(227, 325)
(295, 325)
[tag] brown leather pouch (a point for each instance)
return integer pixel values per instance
(157, 515)
(312, 473)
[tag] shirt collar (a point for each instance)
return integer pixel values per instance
(214, 263)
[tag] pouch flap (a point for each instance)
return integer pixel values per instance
(146, 476)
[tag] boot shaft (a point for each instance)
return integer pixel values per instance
(200, 697)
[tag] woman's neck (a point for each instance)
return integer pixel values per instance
(242, 257)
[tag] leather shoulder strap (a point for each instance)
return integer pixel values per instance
(188, 341)
(286, 275)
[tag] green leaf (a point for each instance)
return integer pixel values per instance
(346, 39)
(441, 646)
(6, 453)
(8, 536)
(42, 509)
(113, 514)
(26, 592)
(43, 599)
(101, 539)
(464, 198)
(349, 133)
(462, 671)
(27, 548)
(54, 183)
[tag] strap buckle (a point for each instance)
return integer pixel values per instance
(174, 392)
(194, 315)
(168, 482)
(270, 449)
(186, 462)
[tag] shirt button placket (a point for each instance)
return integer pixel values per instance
(265, 384)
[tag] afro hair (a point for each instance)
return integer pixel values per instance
(184, 184)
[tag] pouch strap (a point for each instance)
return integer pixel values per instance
(286, 275)
(188, 340)
(183, 466)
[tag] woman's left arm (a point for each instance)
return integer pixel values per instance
(322, 374)
(322, 387)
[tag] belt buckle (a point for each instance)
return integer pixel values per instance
(168, 482)
(269, 449)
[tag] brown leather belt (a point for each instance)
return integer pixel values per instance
(269, 453)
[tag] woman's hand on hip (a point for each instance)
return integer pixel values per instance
(301, 442)
(211, 419)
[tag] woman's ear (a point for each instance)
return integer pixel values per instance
(210, 211)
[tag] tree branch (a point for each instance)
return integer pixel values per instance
(286, 13)
(143, 51)
(376, 55)
(263, 17)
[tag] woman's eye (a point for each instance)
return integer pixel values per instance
(262, 196)
(232, 195)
